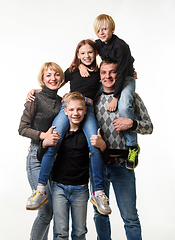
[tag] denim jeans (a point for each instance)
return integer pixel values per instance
(123, 183)
(90, 127)
(125, 106)
(41, 224)
(74, 199)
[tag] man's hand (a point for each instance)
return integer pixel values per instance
(97, 141)
(112, 106)
(121, 124)
(51, 138)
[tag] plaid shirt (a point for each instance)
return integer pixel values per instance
(114, 139)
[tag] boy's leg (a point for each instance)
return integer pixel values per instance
(61, 207)
(78, 199)
(126, 110)
(90, 127)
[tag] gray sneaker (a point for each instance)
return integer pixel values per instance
(101, 203)
(36, 200)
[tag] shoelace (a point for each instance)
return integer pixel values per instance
(102, 197)
(132, 154)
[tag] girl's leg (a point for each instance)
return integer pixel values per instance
(41, 224)
(90, 127)
(62, 123)
(126, 108)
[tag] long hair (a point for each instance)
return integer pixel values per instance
(76, 61)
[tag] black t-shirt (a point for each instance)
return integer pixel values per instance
(87, 86)
(72, 162)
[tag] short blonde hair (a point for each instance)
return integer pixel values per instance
(74, 96)
(107, 19)
(53, 66)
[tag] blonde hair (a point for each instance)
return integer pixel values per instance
(74, 96)
(103, 18)
(53, 66)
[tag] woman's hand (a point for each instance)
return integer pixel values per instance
(51, 138)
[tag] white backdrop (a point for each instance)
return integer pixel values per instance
(36, 31)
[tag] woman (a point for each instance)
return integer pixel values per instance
(36, 124)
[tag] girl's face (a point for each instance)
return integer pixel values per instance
(51, 79)
(86, 54)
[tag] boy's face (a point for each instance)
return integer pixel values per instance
(108, 75)
(104, 33)
(75, 111)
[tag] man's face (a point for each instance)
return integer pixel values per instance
(108, 75)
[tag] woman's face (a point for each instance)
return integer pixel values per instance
(51, 79)
(86, 54)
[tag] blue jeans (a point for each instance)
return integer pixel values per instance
(41, 224)
(125, 106)
(123, 183)
(90, 127)
(70, 198)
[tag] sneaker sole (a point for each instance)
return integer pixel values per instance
(94, 203)
(36, 208)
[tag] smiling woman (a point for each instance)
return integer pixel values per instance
(36, 124)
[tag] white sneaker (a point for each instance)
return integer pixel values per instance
(101, 203)
(36, 200)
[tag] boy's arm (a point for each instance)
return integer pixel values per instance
(97, 141)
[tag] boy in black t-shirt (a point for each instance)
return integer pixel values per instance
(70, 172)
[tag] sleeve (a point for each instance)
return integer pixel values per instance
(122, 53)
(144, 124)
(25, 126)
(67, 75)
(41, 151)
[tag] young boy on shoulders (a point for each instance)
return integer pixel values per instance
(111, 46)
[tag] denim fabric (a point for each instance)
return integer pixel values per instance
(90, 127)
(41, 224)
(74, 199)
(125, 106)
(123, 183)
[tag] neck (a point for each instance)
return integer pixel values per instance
(108, 90)
(74, 127)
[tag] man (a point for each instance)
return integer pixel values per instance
(116, 152)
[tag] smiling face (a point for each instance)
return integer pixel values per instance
(108, 75)
(51, 79)
(104, 33)
(86, 54)
(75, 111)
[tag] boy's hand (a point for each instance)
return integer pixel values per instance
(97, 141)
(84, 71)
(51, 138)
(121, 124)
(135, 74)
(112, 106)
